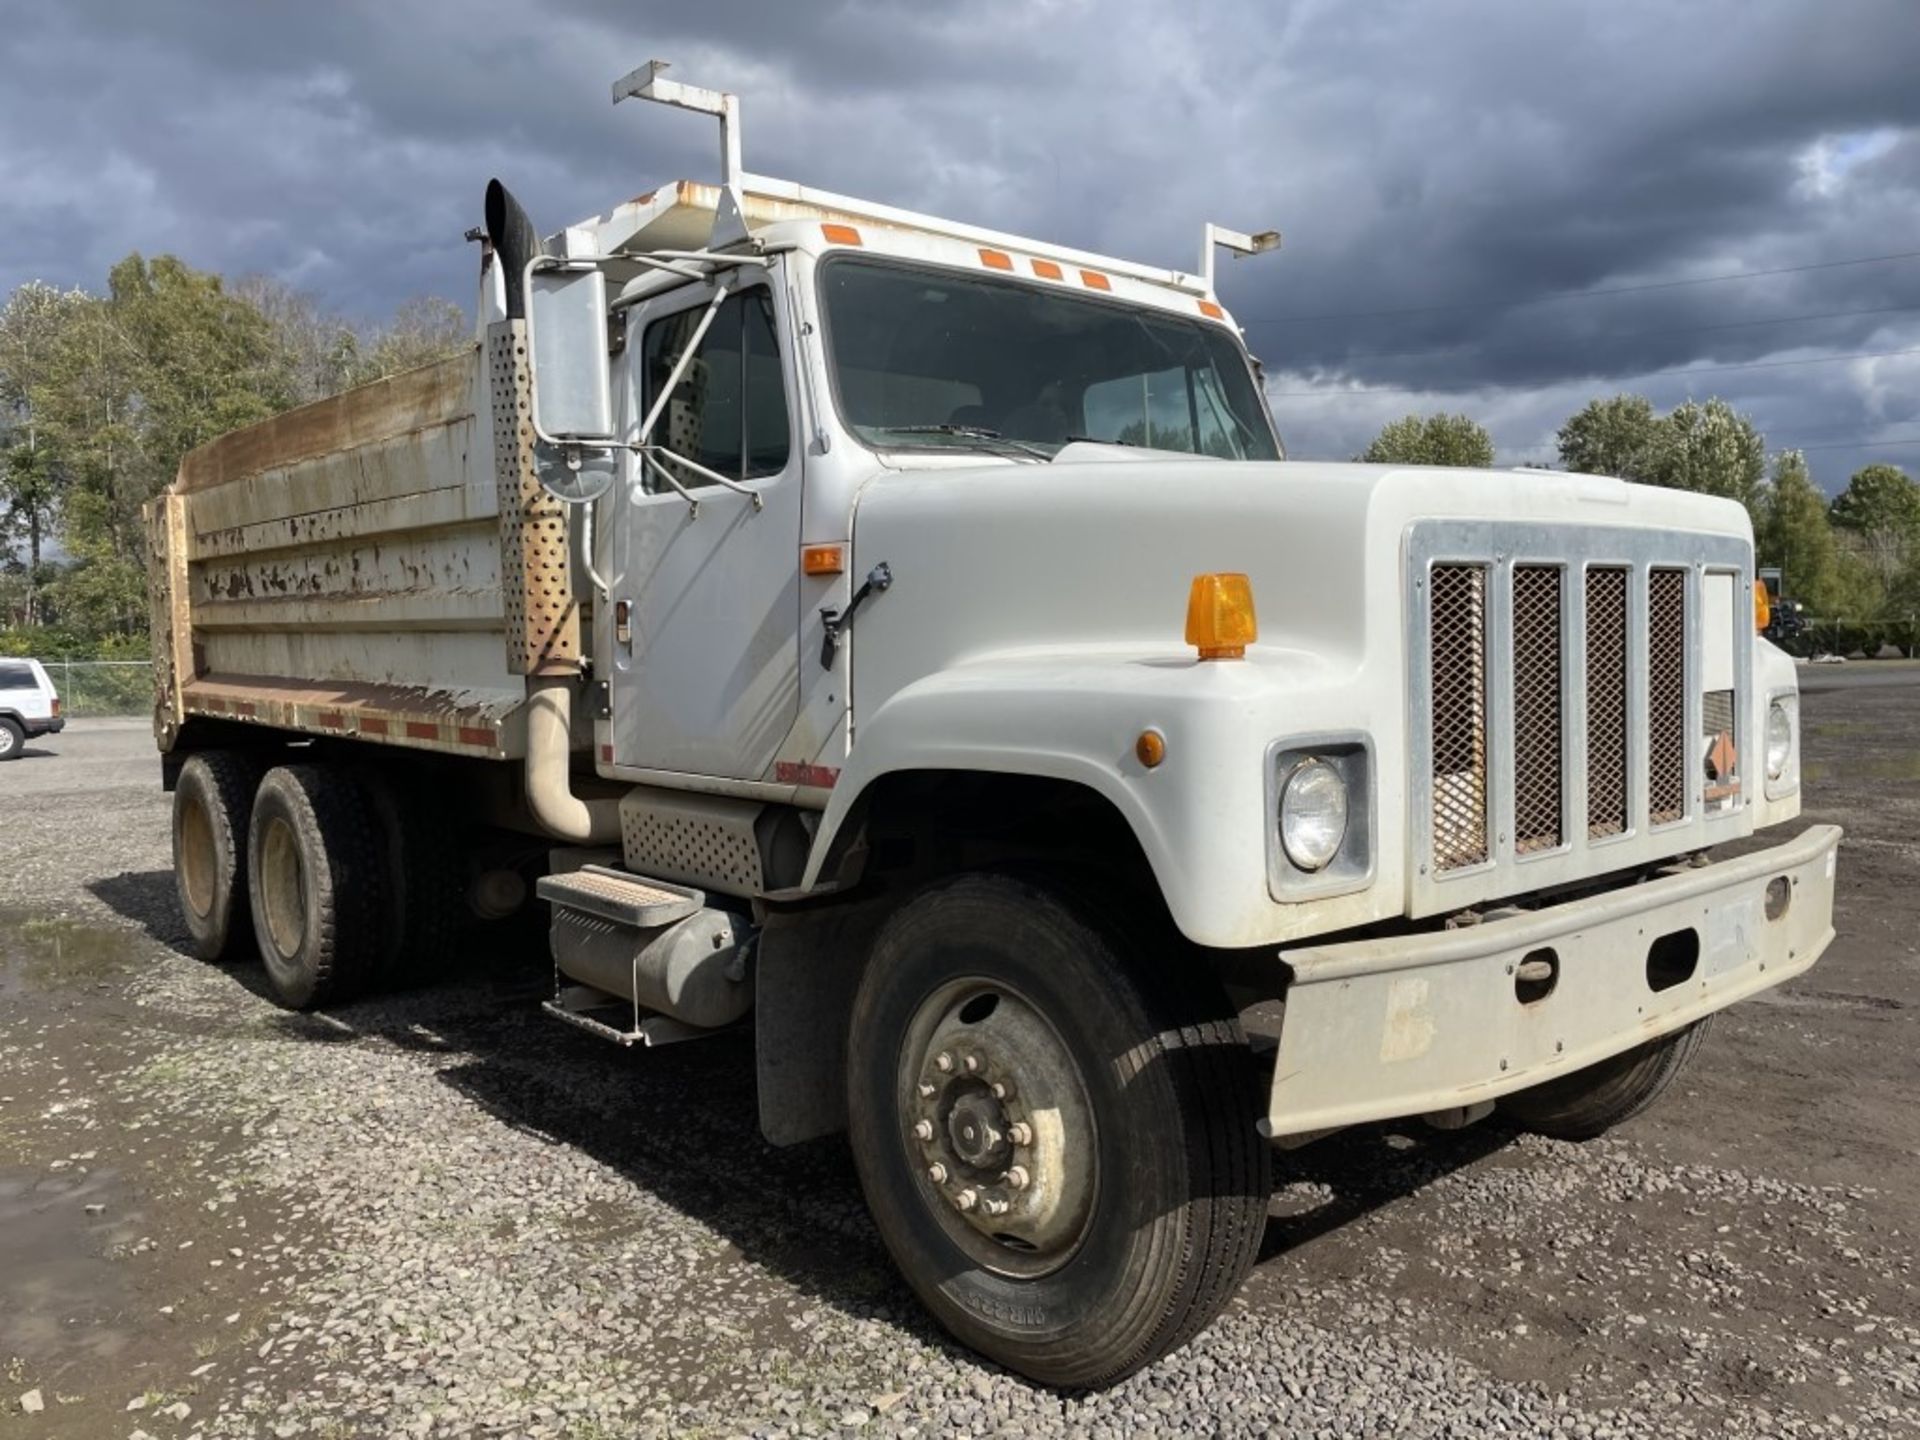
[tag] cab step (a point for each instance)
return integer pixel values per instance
(612, 1018)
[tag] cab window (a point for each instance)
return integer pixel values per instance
(729, 411)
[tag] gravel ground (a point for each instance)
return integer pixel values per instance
(441, 1214)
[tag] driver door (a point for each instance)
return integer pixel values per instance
(705, 673)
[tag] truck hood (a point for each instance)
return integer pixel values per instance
(1093, 554)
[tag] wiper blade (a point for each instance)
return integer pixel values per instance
(969, 432)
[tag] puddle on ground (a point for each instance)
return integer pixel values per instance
(62, 1295)
(42, 953)
(1863, 767)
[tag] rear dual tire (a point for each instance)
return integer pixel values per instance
(319, 881)
(212, 809)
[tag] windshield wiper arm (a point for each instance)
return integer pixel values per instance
(969, 432)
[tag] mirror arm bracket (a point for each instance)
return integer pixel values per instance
(834, 623)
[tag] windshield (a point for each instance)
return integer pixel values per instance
(933, 358)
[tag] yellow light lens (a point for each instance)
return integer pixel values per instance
(1150, 749)
(1762, 606)
(1220, 619)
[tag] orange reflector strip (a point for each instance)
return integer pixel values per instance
(1094, 280)
(1762, 605)
(1212, 311)
(1220, 619)
(474, 735)
(421, 730)
(822, 560)
(1047, 270)
(996, 259)
(840, 234)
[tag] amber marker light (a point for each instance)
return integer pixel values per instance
(839, 234)
(1150, 749)
(822, 560)
(1762, 606)
(1220, 619)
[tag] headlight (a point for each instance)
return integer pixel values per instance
(1779, 740)
(1313, 814)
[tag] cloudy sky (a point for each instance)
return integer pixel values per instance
(1455, 178)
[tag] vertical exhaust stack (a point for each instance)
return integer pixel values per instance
(515, 242)
(543, 622)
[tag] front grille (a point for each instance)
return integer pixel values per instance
(1538, 782)
(1607, 794)
(1459, 668)
(1577, 692)
(1666, 696)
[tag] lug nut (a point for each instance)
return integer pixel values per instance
(943, 1062)
(1018, 1178)
(965, 1200)
(926, 1090)
(973, 1064)
(1001, 1089)
(937, 1173)
(923, 1130)
(1020, 1133)
(996, 1207)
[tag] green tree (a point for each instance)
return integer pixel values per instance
(1619, 435)
(1791, 531)
(1713, 449)
(1879, 517)
(32, 324)
(1431, 440)
(1705, 446)
(1879, 497)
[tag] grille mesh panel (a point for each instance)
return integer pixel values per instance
(1459, 668)
(1666, 696)
(1537, 779)
(1606, 702)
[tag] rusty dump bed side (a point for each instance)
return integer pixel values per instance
(338, 569)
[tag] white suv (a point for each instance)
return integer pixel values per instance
(28, 705)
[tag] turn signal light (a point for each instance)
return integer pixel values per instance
(1762, 606)
(1220, 619)
(822, 560)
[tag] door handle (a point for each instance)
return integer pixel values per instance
(623, 624)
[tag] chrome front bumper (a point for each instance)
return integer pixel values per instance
(1377, 1029)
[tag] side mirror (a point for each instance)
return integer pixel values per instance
(567, 333)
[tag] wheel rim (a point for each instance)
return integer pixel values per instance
(283, 887)
(6, 739)
(997, 1123)
(197, 860)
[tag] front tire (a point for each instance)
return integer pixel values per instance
(1053, 1119)
(317, 878)
(13, 738)
(212, 807)
(1590, 1102)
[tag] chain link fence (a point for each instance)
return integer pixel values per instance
(102, 687)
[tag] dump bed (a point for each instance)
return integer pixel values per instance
(346, 568)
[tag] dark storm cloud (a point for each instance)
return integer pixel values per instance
(1454, 163)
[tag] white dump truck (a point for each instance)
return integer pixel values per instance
(909, 641)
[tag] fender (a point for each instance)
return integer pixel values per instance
(1075, 715)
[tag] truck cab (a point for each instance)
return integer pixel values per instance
(912, 641)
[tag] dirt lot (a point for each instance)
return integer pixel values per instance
(439, 1213)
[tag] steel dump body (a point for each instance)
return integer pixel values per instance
(338, 570)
